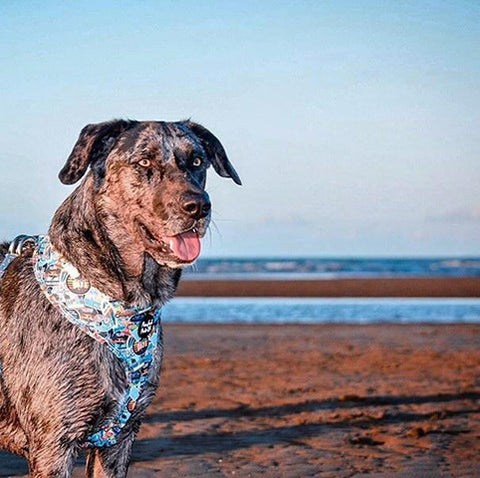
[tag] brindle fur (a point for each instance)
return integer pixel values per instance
(57, 384)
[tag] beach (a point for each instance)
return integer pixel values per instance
(312, 400)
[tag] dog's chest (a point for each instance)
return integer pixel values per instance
(131, 334)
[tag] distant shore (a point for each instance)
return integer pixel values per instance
(375, 287)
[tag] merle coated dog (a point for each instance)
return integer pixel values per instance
(130, 226)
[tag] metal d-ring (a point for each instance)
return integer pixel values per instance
(17, 245)
(15, 249)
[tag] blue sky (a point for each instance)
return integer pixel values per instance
(354, 125)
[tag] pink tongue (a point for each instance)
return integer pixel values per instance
(185, 246)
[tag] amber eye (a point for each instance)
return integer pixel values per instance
(197, 162)
(145, 163)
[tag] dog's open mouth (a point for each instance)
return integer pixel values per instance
(184, 246)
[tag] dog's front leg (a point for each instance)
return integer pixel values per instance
(110, 462)
(51, 461)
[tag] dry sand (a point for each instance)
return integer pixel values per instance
(316, 400)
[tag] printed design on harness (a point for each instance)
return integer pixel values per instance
(131, 332)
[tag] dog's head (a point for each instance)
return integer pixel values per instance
(149, 181)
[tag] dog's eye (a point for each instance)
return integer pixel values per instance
(146, 163)
(197, 162)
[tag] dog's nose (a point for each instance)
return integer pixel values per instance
(196, 205)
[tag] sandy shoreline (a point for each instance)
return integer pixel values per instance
(317, 400)
(392, 287)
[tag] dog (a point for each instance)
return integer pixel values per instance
(129, 228)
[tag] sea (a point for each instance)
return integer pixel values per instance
(334, 268)
(269, 310)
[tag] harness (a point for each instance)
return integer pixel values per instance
(131, 332)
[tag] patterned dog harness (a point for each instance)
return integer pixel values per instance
(131, 332)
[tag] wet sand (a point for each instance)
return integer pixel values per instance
(385, 287)
(316, 400)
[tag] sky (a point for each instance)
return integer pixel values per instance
(353, 125)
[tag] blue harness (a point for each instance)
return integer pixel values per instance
(131, 332)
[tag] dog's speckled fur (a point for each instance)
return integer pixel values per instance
(58, 384)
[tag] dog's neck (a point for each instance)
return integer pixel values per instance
(82, 238)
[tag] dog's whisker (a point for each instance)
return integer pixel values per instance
(217, 230)
(210, 236)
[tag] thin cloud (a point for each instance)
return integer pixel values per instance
(456, 216)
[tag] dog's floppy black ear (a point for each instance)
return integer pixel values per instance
(92, 148)
(215, 151)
